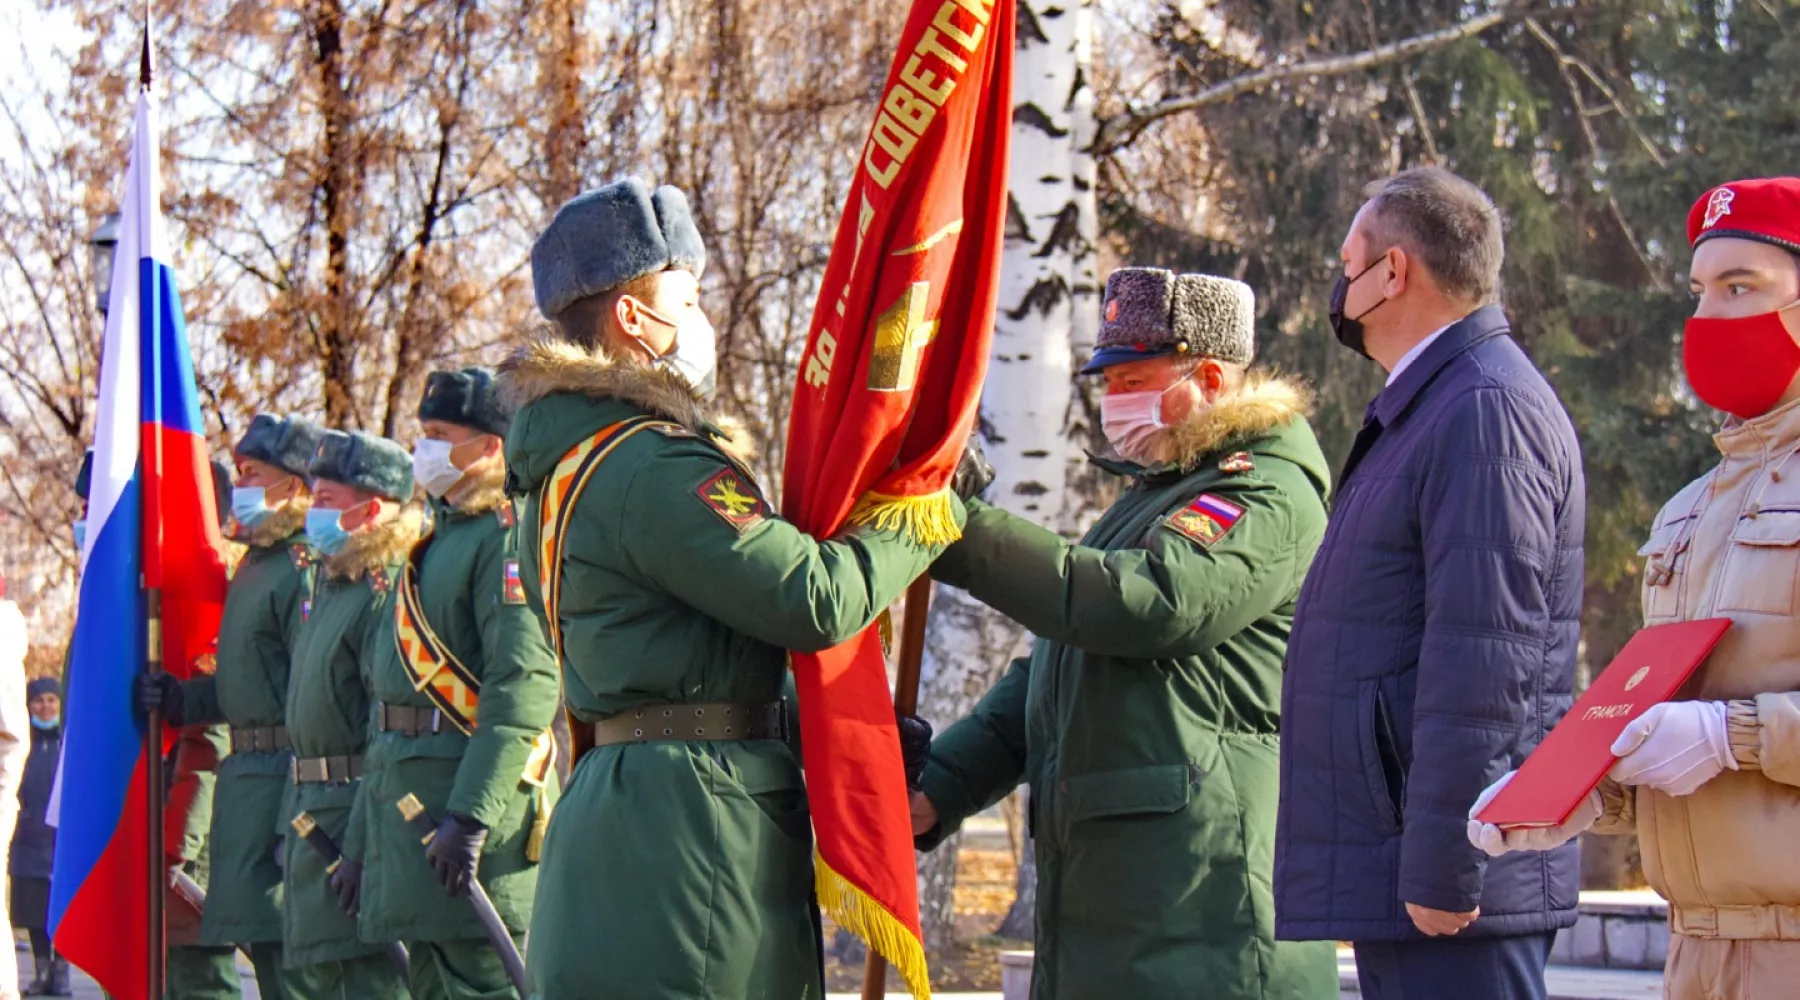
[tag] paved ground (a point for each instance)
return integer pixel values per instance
(1565, 983)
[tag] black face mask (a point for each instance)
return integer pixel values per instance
(1349, 331)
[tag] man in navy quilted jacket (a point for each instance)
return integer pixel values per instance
(1434, 641)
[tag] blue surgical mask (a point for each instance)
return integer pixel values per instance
(80, 534)
(50, 723)
(249, 505)
(325, 530)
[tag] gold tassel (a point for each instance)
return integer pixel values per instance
(858, 913)
(929, 519)
(540, 825)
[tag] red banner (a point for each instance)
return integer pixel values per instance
(887, 395)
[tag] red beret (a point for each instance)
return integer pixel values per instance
(1765, 209)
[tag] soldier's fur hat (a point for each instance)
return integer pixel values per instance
(221, 482)
(1150, 312)
(368, 463)
(467, 398)
(287, 443)
(603, 238)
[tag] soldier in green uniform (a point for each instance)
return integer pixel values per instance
(247, 691)
(679, 864)
(464, 694)
(1146, 717)
(196, 970)
(362, 524)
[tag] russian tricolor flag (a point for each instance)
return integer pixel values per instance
(152, 523)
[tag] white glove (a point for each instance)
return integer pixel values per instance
(1497, 841)
(1675, 747)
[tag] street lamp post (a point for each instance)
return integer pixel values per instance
(101, 246)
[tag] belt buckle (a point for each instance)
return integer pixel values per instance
(437, 720)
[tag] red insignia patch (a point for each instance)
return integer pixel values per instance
(736, 504)
(1206, 520)
(504, 514)
(1237, 461)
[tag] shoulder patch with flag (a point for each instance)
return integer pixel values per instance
(513, 589)
(1207, 519)
(736, 504)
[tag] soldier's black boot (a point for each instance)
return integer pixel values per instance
(40, 985)
(59, 978)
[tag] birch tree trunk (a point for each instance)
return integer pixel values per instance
(1031, 423)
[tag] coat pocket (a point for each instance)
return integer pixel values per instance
(1384, 772)
(1665, 570)
(1759, 571)
(1160, 789)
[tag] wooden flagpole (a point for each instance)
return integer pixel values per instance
(906, 702)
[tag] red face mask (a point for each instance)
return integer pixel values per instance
(1742, 365)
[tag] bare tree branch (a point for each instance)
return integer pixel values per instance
(1121, 129)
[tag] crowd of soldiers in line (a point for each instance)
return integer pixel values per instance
(388, 669)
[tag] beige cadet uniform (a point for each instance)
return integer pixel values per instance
(1727, 857)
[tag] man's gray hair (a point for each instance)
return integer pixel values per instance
(1448, 224)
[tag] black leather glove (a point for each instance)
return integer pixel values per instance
(456, 851)
(152, 692)
(915, 746)
(347, 883)
(973, 474)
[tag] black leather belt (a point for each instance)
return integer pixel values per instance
(259, 739)
(412, 720)
(327, 770)
(679, 723)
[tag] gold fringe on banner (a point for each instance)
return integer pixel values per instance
(858, 913)
(929, 519)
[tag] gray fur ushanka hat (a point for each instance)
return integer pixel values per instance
(603, 238)
(366, 462)
(1149, 312)
(467, 398)
(287, 443)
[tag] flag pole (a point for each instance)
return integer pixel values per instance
(153, 726)
(153, 768)
(906, 702)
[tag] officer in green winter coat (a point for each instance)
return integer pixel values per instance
(464, 700)
(1145, 717)
(247, 690)
(679, 864)
(362, 523)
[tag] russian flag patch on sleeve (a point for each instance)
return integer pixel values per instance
(1206, 519)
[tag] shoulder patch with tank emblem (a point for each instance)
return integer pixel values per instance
(736, 504)
(1207, 519)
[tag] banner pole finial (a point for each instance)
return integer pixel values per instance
(144, 56)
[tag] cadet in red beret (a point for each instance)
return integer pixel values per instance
(1711, 783)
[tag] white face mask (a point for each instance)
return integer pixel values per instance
(432, 466)
(1133, 419)
(694, 356)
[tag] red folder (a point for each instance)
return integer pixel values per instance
(1578, 752)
